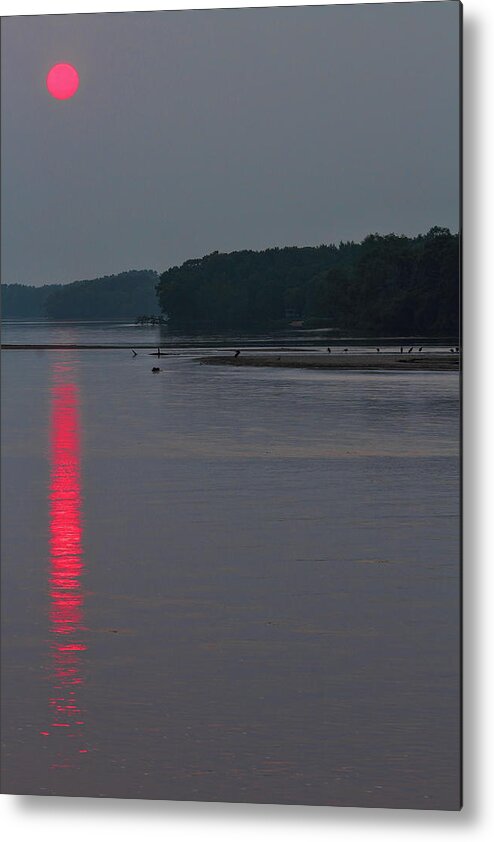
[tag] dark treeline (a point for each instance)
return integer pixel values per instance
(111, 297)
(20, 301)
(387, 285)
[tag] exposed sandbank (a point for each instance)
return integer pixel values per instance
(374, 361)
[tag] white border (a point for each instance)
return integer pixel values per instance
(77, 819)
(35, 7)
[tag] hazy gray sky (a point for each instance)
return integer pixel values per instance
(224, 129)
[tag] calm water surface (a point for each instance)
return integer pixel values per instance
(43, 331)
(229, 584)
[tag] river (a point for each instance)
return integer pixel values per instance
(228, 584)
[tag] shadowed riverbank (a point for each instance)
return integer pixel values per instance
(383, 360)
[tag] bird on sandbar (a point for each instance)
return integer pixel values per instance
(410, 350)
(155, 368)
(378, 350)
(329, 350)
(134, 352)
(237, 354)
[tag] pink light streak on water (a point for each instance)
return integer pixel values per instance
(66, 594)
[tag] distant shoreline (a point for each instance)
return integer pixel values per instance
(390, 361)
(74, 347)
(296, 358)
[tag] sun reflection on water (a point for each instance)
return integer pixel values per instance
(66, 594)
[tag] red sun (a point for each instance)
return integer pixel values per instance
(62, 81)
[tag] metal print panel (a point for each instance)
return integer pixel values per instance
(230, 438)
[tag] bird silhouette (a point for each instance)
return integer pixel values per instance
(401, 349)
(420, 348)
(237, 354)
(329, 350)
(155, 368)
(410, 350)
(134, 352)
(378, 350)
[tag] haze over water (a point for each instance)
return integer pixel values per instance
(229, 584)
